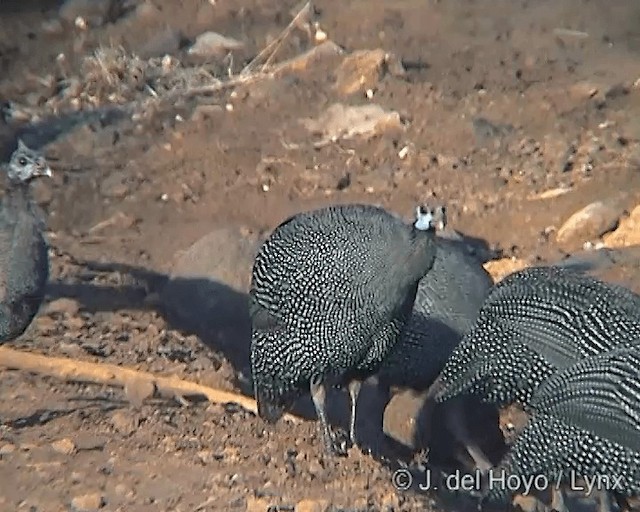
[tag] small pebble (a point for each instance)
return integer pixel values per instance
(7, 449)
(87, 503)
(64, 446)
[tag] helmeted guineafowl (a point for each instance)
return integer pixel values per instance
(585, 427)
(331, 291)
(446, 306)
(24, 260)
(447, 303)
(533, 323)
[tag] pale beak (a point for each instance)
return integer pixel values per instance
(43, 169)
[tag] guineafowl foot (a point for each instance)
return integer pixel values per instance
(457, 424)
(354, 387)
(335, 444)
(557, 500)
(606, 502)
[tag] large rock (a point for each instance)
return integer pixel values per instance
(591, 222)
(206, 292)
(628, 232)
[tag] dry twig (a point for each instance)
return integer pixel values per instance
(82, 371)
(271, 49)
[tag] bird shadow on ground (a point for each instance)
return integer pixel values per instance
(21, 6)
(218, 315)
(50, 129)
(44, 416)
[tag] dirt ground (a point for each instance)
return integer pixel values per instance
(497, 103)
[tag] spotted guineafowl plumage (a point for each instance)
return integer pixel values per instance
(331, 291)
(24, 260)
(585, 425)
(532, 323)
(447, 303)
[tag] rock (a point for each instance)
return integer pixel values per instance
(7, 449)
(592, 221)
(503, 267)
(550, 193)
(345, 122)
(399, 414)
(513, 420)
(205, 456)
(146, 11)
(259, 504)
(312, 506)
(360, 71)
(527, 503)
(582, 91)
(627, 233)
(138, 390)
(52, 27)
(202, 112)
(63, 306)
(122, 490)
(64, 446)
(124, 422)
(486, 130)
(313, 56)
(119, 220)
(87, 503)
(206, 294)
(212, 44)
(225, 255)
(115, 185)
(161, 44)
(95, 12)
(391, 501)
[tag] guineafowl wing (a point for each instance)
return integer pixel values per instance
(600, 394)
(550, 340)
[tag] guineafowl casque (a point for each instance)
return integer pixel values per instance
(24, 259)
(585, 424)
(533, 323)
(330, 293)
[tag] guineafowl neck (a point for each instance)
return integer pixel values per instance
(18, 196)
(423, 255)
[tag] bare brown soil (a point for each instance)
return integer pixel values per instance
(498, 102)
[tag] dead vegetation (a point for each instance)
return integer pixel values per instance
(111, 75)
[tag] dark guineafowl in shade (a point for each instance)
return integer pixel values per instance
(533, 323)
(585, 425)
(331, 291)
(24, 260)
(446, 306)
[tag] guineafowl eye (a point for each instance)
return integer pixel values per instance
(22, 161)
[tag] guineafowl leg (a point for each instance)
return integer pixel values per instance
(557, 500)
(605, 502)
(319, 395)
(354, 387)
(458, 426)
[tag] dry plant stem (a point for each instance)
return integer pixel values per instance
(72, 370)
(272, 48)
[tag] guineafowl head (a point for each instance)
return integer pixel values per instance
(27, 164)
(275, 379)
(275, 371)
